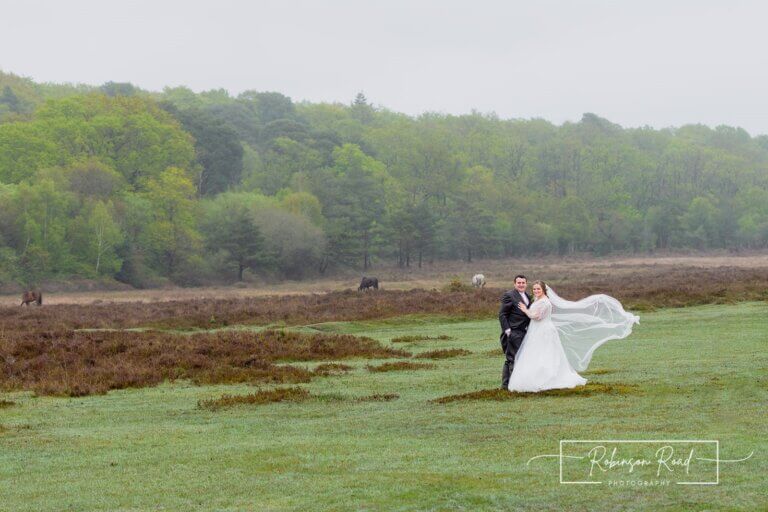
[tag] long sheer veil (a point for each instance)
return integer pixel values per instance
(586, 324)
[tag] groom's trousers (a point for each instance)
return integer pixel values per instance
(510, 345)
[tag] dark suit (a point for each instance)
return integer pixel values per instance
(511, 317)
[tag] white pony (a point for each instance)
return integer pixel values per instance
(478, 281)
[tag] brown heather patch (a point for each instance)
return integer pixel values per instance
(591, 388)
(6, 403)
(294, 394)
(211, 313)
(379, 397)
(257, 398)
(639, 286)
(456, 285)
(256, 373)
(413, 338)
(399, 366)
(77, 363)
(443, 354)
(327, 369)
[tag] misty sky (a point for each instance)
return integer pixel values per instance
(658, 63)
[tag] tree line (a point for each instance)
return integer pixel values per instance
(148, 187)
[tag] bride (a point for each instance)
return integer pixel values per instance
(562, 337)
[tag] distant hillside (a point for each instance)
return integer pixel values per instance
(115, 182)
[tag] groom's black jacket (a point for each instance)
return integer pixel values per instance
(510, 315)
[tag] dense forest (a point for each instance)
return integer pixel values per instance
(115, 182)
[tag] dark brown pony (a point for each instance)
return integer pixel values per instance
(32, 296)
(368, 282)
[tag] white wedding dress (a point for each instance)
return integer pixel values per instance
(562, 336)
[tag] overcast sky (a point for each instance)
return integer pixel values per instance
(658, 63)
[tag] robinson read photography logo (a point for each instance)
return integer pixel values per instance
(629, 462)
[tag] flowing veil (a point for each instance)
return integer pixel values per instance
(586, 324)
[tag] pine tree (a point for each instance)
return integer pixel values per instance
(10, 99)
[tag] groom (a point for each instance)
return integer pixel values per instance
(514, 324)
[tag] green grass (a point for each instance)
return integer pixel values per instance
(695, 373)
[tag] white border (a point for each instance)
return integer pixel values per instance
(716, 442)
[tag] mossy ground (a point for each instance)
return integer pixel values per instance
(690, 373)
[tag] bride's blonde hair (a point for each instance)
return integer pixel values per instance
(543, 287)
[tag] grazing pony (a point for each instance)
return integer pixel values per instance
(478, 281)
(368, 282)
(31, 296)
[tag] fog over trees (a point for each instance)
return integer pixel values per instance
(191, 188)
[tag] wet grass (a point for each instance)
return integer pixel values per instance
(414, 338)
(328, 369)
(691, 373)
(599, 371)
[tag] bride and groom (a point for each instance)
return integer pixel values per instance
(547, 339)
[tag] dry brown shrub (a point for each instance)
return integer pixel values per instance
(379, 397)
(257, 398)
(443, 354)
(457, 286)
(639, 287)
(77, 363)
(210, 313)
(261, 373)
(496, 394)
(399, 366)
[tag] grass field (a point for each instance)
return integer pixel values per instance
(379, 441)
